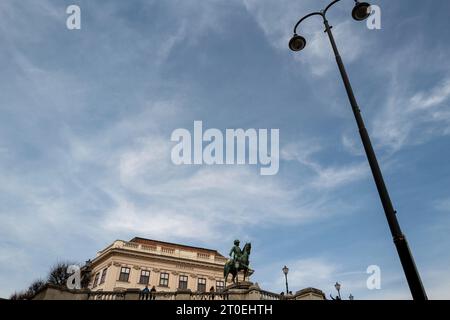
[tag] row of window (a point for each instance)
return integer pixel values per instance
(164, 280)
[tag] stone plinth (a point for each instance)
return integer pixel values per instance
(241, 290)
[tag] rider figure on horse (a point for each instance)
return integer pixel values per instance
(236, 254)
(236, 251)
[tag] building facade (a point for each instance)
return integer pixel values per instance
(166, 266)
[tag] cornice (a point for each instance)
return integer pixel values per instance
(160, 258)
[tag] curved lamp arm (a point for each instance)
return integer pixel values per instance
(306, 17)
(320, 13)
(330, 5)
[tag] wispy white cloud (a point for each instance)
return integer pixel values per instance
(276, 19)
(433, 98)
(219, 197)
(324, 176)
(351, 145)
(408, 120)
(336, 176)
(412, 115)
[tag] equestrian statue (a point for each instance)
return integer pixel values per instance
(239, 262)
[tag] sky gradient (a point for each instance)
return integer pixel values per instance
(87, 115)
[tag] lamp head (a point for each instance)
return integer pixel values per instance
(297, 43)
(337, 286)
(285, 270)
(361, 11)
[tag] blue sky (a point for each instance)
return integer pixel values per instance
(86, 119)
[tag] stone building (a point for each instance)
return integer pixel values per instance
(166, 266)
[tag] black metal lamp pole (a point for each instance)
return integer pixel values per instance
(360, 12)
(285, 271)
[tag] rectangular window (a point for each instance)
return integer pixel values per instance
(183, 282)
(103, 278)
(201, 286)
(124, 274)
(97, 276)
(145, 277)
(164, 279)
(220, 285)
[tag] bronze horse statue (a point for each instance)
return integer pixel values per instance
(241, 264)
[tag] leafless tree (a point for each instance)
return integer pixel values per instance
(58, 274)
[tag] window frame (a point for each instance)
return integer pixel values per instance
(164, 281)
(103, 276)
(145, 276)
(185, 282)
(126, 273)
(96, 278)
(221, 287)
(201, 282)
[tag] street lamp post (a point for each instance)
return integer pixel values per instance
(360, 12)
(285, 271)
(337, 286)
(338, 289)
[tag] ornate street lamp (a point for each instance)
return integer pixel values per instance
(337, 286)
(360, 12)
(285, 271)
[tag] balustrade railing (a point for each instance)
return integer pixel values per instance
(209, 296)
(106, 295)
(266, 295)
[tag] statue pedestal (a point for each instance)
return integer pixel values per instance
(244, 290)
(241, 285)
